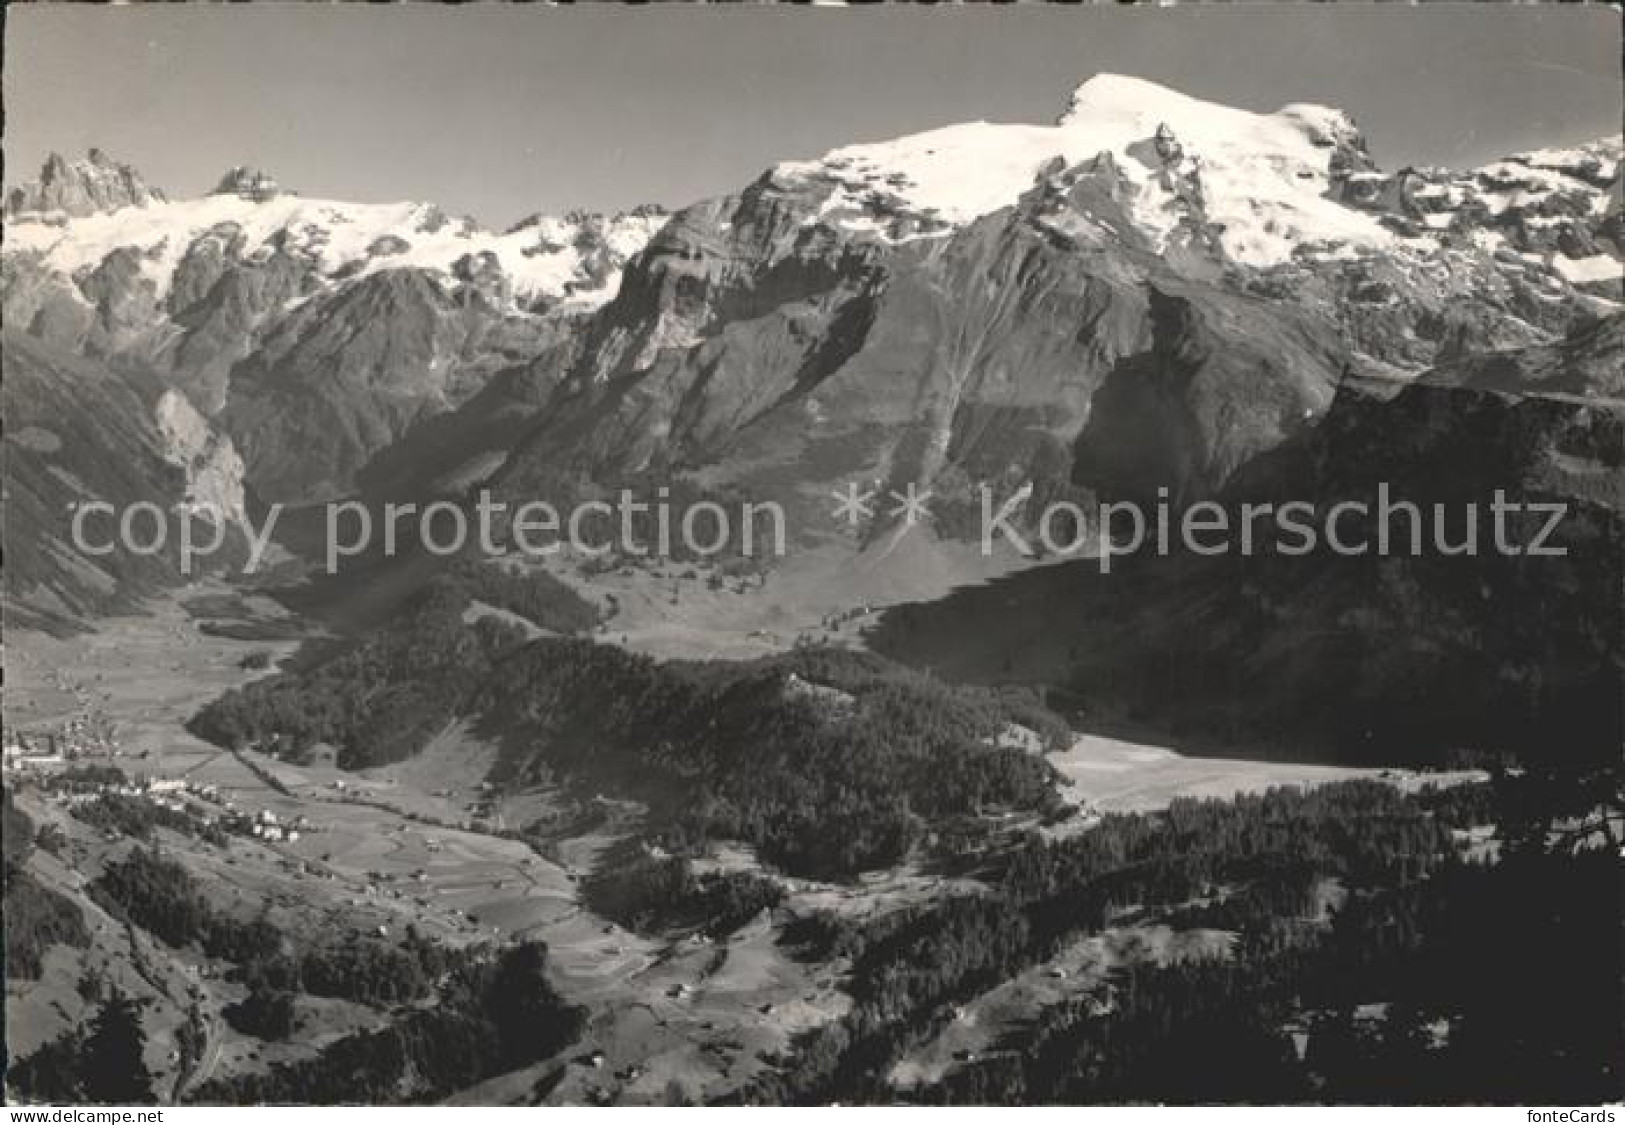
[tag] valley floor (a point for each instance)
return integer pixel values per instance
(421, 843)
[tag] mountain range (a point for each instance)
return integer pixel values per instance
(1154, 292)
(317, 324)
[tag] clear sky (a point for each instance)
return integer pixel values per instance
(501, 111)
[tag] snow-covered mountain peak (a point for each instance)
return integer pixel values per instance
(1110, 102)
(548, 262)
(1261, 183)
(1261, 189)
(1107, 97)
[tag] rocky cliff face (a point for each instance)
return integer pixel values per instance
(211, 467)
(193, 289)
(80, 433)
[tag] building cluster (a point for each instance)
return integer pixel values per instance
(73, 787)
(89, 736)
(179, 795)
(265, 825)
(165, 792)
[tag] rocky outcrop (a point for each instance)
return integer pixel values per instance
(1553, 214)
(211, 467)
(42, 303)
(243, 299)
(251, 184)
(124, 299)
(95, 184)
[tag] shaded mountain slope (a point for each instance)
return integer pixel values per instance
(1369, 657)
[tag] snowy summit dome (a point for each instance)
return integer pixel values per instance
(1265, 179)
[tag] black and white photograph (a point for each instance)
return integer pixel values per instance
(965, 555)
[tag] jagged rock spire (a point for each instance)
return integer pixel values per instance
(86, 186)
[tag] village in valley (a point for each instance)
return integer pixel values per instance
(101, 762)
